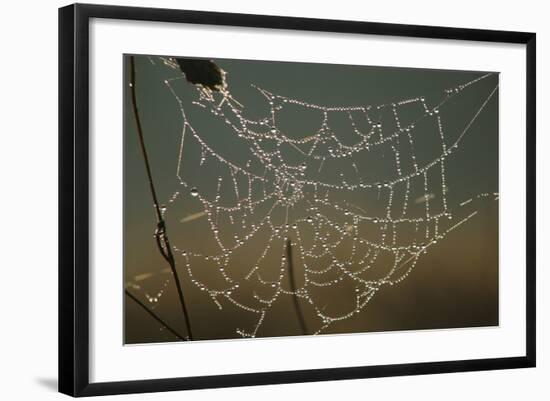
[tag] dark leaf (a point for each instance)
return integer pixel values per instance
(202, 72)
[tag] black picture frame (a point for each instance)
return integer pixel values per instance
(74, 198)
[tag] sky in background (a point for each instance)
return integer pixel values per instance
(454, 285)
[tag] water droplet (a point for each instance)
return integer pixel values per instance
(194, 192)
(309, 219)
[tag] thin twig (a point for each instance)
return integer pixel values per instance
(292, 281)
(154, 315)
(160, 234)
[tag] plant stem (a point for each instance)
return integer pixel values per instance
(160, 234)
(292, 281)
(154, 315)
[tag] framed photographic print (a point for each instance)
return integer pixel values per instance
(250, 199)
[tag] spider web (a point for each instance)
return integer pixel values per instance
(353, 208)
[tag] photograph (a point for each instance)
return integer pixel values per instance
(276, 198)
